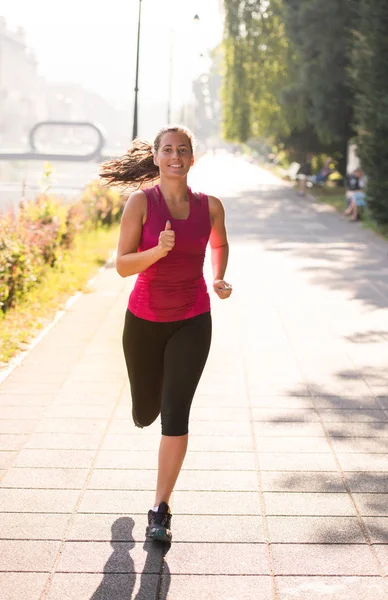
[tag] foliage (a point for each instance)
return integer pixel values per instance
(39, 237)
(287, 74)
(369, 72)
(256, 59)
(39, 305)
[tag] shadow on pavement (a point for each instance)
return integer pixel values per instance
(354, 430)
(339, 255)
(120, 572)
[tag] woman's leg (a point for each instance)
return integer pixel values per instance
(172, 452)
(143, 344)
(184, 360)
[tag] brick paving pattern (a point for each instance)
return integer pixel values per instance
(283, 494)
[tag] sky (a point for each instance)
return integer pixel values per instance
(94, 44)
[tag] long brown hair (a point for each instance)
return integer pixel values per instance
(137, 167)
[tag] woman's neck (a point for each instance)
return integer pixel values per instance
(175, 191)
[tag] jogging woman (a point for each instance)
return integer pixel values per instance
(163, 237)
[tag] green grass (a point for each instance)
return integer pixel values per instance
(21, 324)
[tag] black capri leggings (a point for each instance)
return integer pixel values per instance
(165, 362)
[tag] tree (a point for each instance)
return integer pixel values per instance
(255, 69)
(370, 80)
(321, 35)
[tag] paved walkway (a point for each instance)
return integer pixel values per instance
(283, 494)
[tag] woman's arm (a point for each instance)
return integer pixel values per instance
(129, 261)
(219, 247)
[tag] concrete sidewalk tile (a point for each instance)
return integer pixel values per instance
(220, 401)
(21, 412)
(37, 501)
(296, 462)
(27, 478)
(288, 429)
(111, 389)
(223, 481)
(323, 559)
(353, 416)
(102, 557)
(229, 389)
(282, 402)
(17, 426)
(216, 503)
(216, 587)
(113, 527)
(220, 443)
(348, 403)
(70, 425)
(218, 414)
(382, 554)
(24, 375)
(362, 445)
(127, 459)
(73, 411)
(34, 400)
(346, 429)
(372, 504)
(28, 586)
(26, 555)
(85, 586)
(7, 458)
(285, 415)
(217, 559)
(364, 462)
(316, 530)
(218, 461)
(64, 441)
(307, 504)
(30, 388)
(79, 398)
(29, 526)
(279, 388)
(224, 428)
(122, 479)
(56, 459)
(116, 501)
(10, 442)
(367, 482)
(297, 481)
(377, 528)
(127, 441)
(382, 401)
(211, 528)
(333, 588)
(292, 445)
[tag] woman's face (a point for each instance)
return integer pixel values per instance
(174, 156)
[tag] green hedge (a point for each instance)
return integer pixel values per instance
(38, 237)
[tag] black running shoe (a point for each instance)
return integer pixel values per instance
(159, 524)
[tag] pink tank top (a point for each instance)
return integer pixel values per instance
(174, 287)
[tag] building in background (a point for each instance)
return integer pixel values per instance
(27, 98)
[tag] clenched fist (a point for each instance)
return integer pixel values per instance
(166, 239)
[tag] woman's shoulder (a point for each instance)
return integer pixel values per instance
(136, 202)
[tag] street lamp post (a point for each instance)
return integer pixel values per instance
(135, 110)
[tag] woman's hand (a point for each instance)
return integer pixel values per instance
(222, 289)
(166, 240)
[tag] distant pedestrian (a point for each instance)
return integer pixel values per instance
(305, 171)
(164, 233)
(355, 194)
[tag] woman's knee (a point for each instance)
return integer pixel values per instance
(175, 424)
(144, 419)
